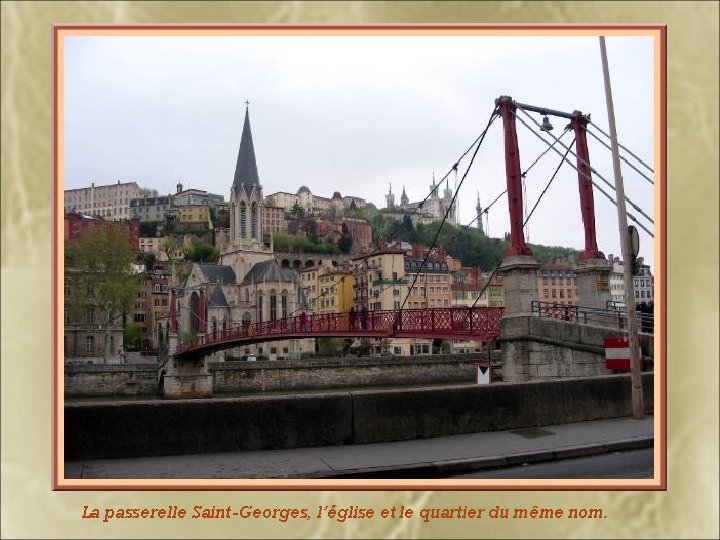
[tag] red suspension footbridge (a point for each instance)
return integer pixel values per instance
(478, 324)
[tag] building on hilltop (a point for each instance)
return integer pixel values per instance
(314, 205)
(433, 208)
(111, 202)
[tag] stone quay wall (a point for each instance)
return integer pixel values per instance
(142, 379)
(96, 430)
(343, 373)
(111, 380)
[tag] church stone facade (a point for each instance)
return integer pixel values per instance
(247, 286)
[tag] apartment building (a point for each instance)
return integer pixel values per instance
(273, 218)
(336, 291)
(150, 209)
(468, 288)
(557, 283)
(111, 202)
(432, 287)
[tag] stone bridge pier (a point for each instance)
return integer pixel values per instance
(543, 348)
(186, 378)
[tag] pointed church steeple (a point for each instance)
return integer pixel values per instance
(246, 173)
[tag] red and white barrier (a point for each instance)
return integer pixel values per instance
(617, 354)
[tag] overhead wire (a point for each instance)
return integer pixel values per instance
(523, 174)
(420, 205)
(479, 140)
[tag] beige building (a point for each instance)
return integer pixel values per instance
(111, 202)
(385, 279)
(432, 286)
(193, 215)
(154, 245)
(274, 221)
(313, 204)
(556, 283)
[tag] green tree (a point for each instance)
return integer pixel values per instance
(345, 243)
(328, 347)
(149, 228)
(100, 276)
(202, 252)
(220, 217)
(297, 211)
(132, 335)
(169, 246)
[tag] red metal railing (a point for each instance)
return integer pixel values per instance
(479, 323)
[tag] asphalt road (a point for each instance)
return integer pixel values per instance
(631, 464)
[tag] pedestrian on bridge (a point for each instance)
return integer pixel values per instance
(363, 317)
(353, 318)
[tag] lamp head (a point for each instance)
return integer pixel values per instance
(546, 125)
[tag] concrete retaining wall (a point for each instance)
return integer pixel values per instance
(111, 380)
(116, 430)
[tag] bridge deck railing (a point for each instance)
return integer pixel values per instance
(482, 323)
(613, 316)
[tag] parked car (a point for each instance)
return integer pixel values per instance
(251, 358)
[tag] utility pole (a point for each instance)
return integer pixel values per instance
(638, 407)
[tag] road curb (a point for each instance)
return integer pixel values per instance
(459, 466)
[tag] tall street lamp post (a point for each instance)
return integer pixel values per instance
(638, 407)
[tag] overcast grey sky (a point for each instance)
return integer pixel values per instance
(354, 113)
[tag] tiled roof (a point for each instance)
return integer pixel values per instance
(270, 271)
(216, 273)
(217, 297)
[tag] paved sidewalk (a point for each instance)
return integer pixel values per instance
(421, 458)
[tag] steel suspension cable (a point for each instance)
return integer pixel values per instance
(492, 274)
(626, 149)
(627, 199)
(548, 185)
(646, 177)
(609, 197)
(480, 140)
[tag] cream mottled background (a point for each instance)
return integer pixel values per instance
(689, 508)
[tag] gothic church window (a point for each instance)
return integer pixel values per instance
(253, 221)
(243, 228)
(273, 306)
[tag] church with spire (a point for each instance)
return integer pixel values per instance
(247, 286)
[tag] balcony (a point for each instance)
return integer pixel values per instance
(401, 281)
